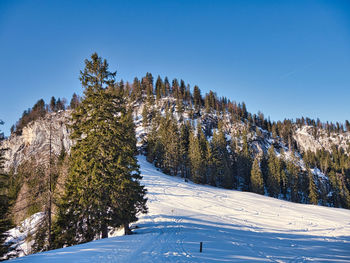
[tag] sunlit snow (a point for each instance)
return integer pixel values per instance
(234, 226)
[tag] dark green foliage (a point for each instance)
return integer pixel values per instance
(184, 145)
(53, 104)
(74, 102)
(102, 189)
(197, 156)
(244, 164)
(292, 172)
(274, 173)
(170, 138)
(197, 98)
(145, 115)
(154, 146)
(147, 87)
(159, 87)
(220, 161)
(313, 198)
(136, 93)
(336, 165)
(256, 179)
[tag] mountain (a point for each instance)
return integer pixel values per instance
(234, 226)
(304, 144)
(203, 139)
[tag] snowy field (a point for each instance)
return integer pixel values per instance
(233, 226)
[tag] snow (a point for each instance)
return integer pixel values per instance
(319, 174)
(234, 226)
(18, 236)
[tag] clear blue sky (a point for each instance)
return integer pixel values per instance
(285, 58)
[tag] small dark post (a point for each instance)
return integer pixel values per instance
(201, 247)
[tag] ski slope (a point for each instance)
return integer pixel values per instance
(233, 226)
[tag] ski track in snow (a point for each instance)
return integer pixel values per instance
(233, 226)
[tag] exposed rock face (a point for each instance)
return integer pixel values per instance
(35, 140)
(306, 140)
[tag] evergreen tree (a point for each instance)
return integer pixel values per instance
(197, 98)
(179, 103)
(293, 179)
(220, 160)
(102, 189)
(170, 139)
(244, 164)
(74, 102)
(136, 93)
(256, 179)
(335, 188)
(274, 177)
(167, 86)
(159, 85)
(195, 151)
(60, 104)
(313, 199)
(147, 85)
(154, 146)
(53, 104)
(175, 88)
(145, 114)
(184, 144)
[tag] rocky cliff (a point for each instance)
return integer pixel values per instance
(34, 142)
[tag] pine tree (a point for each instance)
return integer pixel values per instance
(256, 179)
(145, 114)
(159, 84)
(167, 86)
(102, 189)
(220, 160)
(53, 104)
(195, 152)
(74, 102)
(274, 177)
(197, 98)
(244, 164)
(147, 83)
(184, 144)
(170, 138)
(136, 93)
(60, 104)
(293, 179)
(154, 145)
(313, 199)
(179, 103)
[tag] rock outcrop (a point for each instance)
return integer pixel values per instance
(34, 142)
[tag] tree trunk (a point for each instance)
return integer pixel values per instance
(127, 230)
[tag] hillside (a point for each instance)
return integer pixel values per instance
(298, 145)
(233, 226)
(203, 140)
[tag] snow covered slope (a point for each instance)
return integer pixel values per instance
(233, 226)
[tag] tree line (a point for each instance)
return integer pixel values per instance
(40, 109)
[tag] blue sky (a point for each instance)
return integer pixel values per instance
(285, 58)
